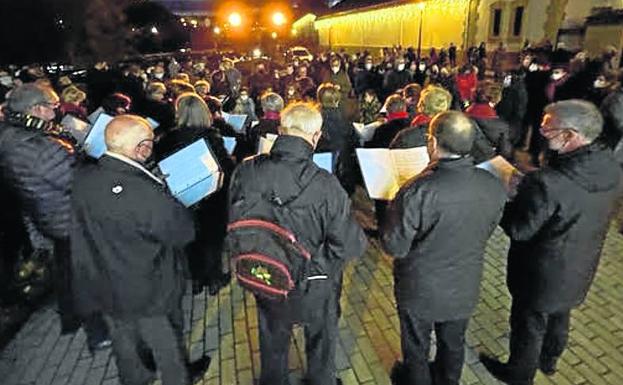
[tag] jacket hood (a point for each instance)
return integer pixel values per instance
(592, 167)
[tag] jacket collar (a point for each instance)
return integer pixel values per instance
(455, 163)
(420, 119)
(133, 164)
(272, 115)
(397, 115)
(291, 147)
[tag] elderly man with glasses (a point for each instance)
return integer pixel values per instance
(557, 224)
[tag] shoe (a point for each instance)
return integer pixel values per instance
(338, 381)
(398, 375)
(501, 371)
(197, 369)
(547, 365)
(101, 345)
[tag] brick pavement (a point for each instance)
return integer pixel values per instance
(225, 327)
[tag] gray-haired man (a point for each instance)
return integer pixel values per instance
(557, 224)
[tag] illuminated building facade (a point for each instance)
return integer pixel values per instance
(375, 24)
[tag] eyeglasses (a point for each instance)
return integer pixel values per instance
(146, 142)
(50, 105)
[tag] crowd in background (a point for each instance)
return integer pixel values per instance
(397, 91)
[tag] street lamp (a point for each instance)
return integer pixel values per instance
(279, 19)
(235, 20)
(421, 6)
(273, 35)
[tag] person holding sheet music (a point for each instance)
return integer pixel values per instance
(194, 122)
(272, 104)
(322, 221)
(338, 136)
(127, 241)
(433, 100)
(557, 224)
(436, 229)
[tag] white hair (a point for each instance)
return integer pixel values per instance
(301, 117)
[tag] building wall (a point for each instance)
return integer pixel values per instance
(577, 10)
(443, 22)
(534, 19)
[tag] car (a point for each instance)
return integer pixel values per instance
(300, 53)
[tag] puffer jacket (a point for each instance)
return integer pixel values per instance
(557, 225)
(38, 169)
(437, 229)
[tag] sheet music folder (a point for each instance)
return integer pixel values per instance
(192, 173)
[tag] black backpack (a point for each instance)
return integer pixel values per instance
(267, 257)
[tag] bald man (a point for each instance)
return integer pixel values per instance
(127, 241)
(437, 228)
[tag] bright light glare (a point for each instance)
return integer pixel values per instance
(421, 6)
(235, 19)
(294, 32)
(154, 30)
(273, 35)
(279, 18)
(183, 20)
(217, 30)
(257, 53)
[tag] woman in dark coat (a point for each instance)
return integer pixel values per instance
(194, 122)
(338, 137)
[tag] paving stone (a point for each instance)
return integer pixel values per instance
(225, 328)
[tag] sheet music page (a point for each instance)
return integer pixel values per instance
(324, 160)
(503, 170)
(95, 142)
(266, 143)
(409, 162)
(378, 172)
(230, 144)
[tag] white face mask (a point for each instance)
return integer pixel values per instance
(422, 67)
(600, 83)
(508, 81)
(290, 92)
(244, 98)
(368, 66)
(159, 75)
(533, 68)
(401, 67)
(558, 75)
(335, 69)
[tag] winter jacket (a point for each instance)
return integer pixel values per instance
(492, 135)
(126, 241)
(557, 224)
(38, 170)
(320, 217)
(612, 111)
(437, 229)
(385, 133)
(396, 80)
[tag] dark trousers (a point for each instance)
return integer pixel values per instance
(130, 338)
(317, 312)
(70, 322)
(535, 335)
(415, 341)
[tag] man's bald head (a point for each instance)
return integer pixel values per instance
(454, 132)
(131, 136)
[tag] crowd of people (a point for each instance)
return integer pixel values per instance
(121, 248)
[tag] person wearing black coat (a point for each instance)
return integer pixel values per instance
(338, 136)
(557, 224)
(127, 242)
(272, 104)
(367, 78)
(36, 168)
(492, 135)
(194, 123)
(437, 228)
(513, 106)
(154, 106)
(397, 120)
(322, 221)
(612, 110)
(397, 78)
